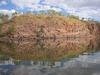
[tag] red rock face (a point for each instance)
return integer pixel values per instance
(29, 26)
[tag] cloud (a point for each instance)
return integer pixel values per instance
(3, 3)
(44, 7)
(25, 3)
(85, 12)
(82, 8)
(7, 12)
(90, 58)
(33, 5)
(75, 3)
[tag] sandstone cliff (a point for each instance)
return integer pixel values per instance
(30, 26)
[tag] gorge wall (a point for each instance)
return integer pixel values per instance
(42, 26)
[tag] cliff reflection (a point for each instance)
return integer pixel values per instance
(52, 49)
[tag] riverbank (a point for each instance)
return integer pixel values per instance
(29, 26)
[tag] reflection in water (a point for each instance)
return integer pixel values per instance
(72, 56)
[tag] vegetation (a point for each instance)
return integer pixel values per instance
(12, 29)
(3, 19)
(40, 32)
(46, 23)
(74, 17)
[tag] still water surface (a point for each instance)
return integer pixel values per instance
(50, 57)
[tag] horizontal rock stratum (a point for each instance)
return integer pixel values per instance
(30, 26)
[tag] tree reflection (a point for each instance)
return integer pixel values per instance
(49, 49)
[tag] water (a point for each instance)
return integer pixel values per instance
(71, 56)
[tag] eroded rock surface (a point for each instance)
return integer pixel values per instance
(31, 26)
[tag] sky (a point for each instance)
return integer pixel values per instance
(81, 8)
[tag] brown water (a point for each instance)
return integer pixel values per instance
(71, 56)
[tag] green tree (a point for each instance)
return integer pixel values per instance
(74, 17)
(42, 12)
(53, 12)
(14, 14)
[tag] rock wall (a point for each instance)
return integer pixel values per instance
(31, 26)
